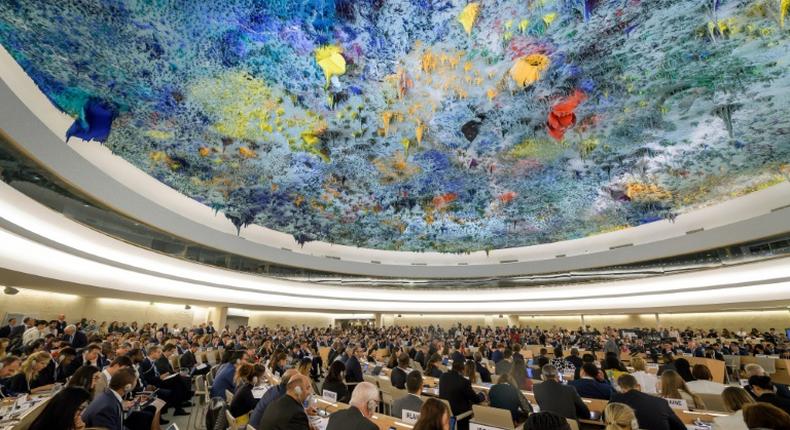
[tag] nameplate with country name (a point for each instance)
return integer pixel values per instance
(330, 396)
(678, 404)
(409, 417)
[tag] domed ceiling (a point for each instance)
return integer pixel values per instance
(426, 125)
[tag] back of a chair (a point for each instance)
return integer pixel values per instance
(573, 424)
(398, 394)
(713, 402)
(417, 366)
(215, 414)
(231, 420)
(733, 361)
(372, 379)
(492, 417)
(385, 385)
(200, 384)
(228, 397)
(767, 363)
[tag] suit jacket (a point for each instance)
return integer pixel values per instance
(418, 357)
(353, 370)
(284, 414)
(561, 399)
(398, 378)
(497, 356)
(17, 331)
(592, 389)
(503, 367)
(409, 402)
(150, 374)
(5, 331)
(163, 365)
(457, 390)
(269, 397)
(350, 419)
(77, 340)
(780, 402)
(652, 413)
(104, 411)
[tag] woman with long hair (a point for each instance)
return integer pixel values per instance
(434, 415)
(85, 377)
(619, 416)
(305, 367)
(683, 367)
(674, 387)
(470, 372)
(519, 373)
(277, 364)
(63, 411)
(335, 382)
(25, 379)
(248, 377)
(735, 398)
(762, 415)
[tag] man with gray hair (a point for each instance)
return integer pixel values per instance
(754, 369)
(364, 402)
(76, 338)
(563, 400)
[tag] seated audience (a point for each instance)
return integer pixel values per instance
(764, 391)
(519, 373)
(434, 415)
(646, 380)
(224, 380)
(85, 377)
(505, 394)
(248, 377)
(287, 412)
(754, 369)
(652, 413)
(765, 416)
(503, 366)
(335, 382)
(619, 416)
(674, 387)
(458, 391)
(363, 404)
(433, 366)
(470, 372)
(107, 409)
(683, 368)
(411, 401)
(25, 380)
(398, 374)
(485, 374)
(735, 398)
(703, 381)
(588, 386)
(63, 411)
(269, 397)
(563, 400)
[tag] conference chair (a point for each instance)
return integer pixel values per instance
(202, 393)
(387, 391)
(493, 417)
(417, 366)
(713, 402)
(573, 424)
(233, 422)
(228, 397)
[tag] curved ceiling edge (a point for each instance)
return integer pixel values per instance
(640, 243)
(73, 253)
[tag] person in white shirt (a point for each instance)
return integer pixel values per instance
(34, 333)
(647, 381)
(704, 383)
(734, 399)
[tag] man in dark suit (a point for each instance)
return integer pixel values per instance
(353, 368)
(412, 401)
(498, 354)
(175, 396)
(76, 338)
(563, 400)
(363, 404)
(287, 412)
(588, 384)
(652, 413)
(19, 330)
(574, 358)
(763, 390)
(106, 410)
(458, 391)
(398, 375)
(421, 356)
(5, 331)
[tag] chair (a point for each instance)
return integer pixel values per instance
(372, 379)
(202, 393)
(464, 415)
(493, 417)
(387, 391)
(398, 394)
(232, 425)
(228, 397)
(733, 363)
(417, 366)
(573, 424)
(713, 402)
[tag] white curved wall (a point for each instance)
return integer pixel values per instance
(31, 121)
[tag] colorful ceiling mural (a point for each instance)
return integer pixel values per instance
(426, 125)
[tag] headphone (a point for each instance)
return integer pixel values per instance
(372, 406)
(128, 387)
(298, 390)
